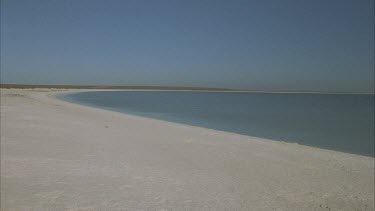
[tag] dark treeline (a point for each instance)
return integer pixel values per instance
(28, 86)
(182, 88)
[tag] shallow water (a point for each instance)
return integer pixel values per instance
(339, 122)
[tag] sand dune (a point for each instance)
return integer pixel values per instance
(57, 155)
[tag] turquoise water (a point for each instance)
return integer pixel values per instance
(338, 122)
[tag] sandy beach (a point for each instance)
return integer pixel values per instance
(57, 155)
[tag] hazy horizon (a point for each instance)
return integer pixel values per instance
(323, 46)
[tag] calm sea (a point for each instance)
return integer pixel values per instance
(338, 122)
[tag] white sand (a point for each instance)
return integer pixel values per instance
(57, 155)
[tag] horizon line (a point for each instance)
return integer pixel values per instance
(168, 88)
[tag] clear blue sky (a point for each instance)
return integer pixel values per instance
(321, 45)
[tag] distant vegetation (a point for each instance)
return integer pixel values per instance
(27, 86)
(181, 88)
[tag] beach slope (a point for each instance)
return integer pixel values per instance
(57, 155)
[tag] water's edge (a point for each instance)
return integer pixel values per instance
(68, 97)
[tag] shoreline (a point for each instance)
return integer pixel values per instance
(143, 163)
(56, 96)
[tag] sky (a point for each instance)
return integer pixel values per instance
(289, 45)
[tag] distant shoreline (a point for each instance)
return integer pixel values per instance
(165, 88)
